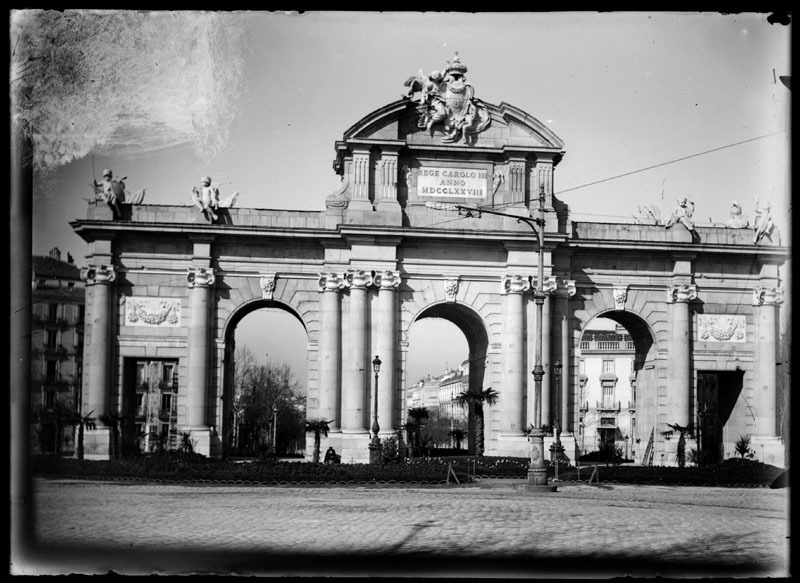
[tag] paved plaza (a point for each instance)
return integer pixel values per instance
(489, 529)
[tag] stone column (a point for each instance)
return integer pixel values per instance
(566, 291)
(99, 349)
(388, 282)
(516, 181)
(679, 377)
(766, 301)
(355, 396)
(200, 281)
(512, 413)
(330, 349)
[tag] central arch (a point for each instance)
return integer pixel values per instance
(470, 323)
(225, 397)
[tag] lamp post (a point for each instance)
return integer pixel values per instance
(556, 450)
(375, 453)
(537, 471)
(274, 427)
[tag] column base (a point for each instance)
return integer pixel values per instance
(97, 444)
(200, 438)
(769, 450)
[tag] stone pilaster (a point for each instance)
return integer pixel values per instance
(360, 167)
(330, 348)
(388, 183)
(355, 395)
(516, 182)
(512, 413)
(387, 282)
(100, 280)
(679, 365)
(565, 291)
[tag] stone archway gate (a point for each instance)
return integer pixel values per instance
(164, 282)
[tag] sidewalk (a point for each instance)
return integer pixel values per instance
(492, 528)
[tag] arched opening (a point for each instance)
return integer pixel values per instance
(616, 392)
(265, 382)
(453, 339)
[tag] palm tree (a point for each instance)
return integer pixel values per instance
(682, 431)
(416, 415)
(320, 429)
(457, 434)
(742, 446)
(475, 401)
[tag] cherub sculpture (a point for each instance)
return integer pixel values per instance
(113, 192)
(206, 199)
(737, 220)
(764, 226)
(682, 214)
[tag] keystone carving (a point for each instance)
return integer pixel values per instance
(450, 289)
(267, 284)
(620, 296)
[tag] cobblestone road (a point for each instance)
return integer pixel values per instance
(484, 530)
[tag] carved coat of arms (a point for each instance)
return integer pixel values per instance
(447, 103)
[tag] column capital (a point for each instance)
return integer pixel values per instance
(767, 296)
(515, 283)
(95, 274)
(566, 288)
(387, 279)
(331, 281)
(681, 293)
(549, 285)
(358, 278)
(267, 284)
(200, 277)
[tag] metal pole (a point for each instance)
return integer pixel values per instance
(375, 454)
(274, 427)
(537, 472)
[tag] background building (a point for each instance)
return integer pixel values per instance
(56, 350)
(606, 402)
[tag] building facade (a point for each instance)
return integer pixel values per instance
(700, 302)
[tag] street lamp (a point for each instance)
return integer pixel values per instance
(274, 427)
(375, 454)
(557, 449)
(537, 472)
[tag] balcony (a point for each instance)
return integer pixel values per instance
(615, 406)
(606, 346)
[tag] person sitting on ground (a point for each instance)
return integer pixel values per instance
(330, 455)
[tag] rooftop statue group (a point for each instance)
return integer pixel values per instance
(447, 102)
(763, 226)
(113, 192)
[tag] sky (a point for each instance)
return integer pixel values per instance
(650, 106)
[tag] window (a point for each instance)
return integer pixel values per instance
(140, 403)
(608, 366)
(582, 366)
(608, 396)
(50, 338)
(49, 399)
(607, 422)
(166, 402)
(141, 374)
(51, 371)
(167, 373)
(52, 312)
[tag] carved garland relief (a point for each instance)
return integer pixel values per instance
(152, 311)
(721, 328)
